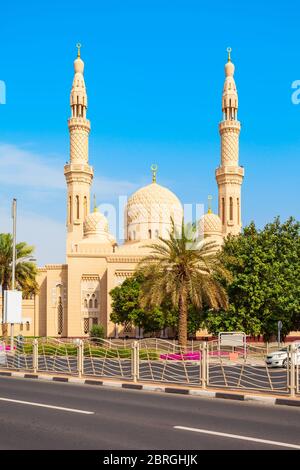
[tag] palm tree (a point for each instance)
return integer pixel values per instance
(26, 270)
(184, 269)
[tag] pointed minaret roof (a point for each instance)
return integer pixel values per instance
(78, 92)
(230, 96)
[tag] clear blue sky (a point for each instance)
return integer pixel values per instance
(154, 73)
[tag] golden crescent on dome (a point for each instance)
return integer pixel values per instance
(154, 168)
(78, 45)
(229, 52)
(209, 197)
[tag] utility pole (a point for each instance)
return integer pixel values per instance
(13, 276)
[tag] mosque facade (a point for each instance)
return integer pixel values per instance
(75, 295)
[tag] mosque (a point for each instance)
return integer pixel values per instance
(75, 295)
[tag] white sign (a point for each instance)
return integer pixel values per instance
(12, 306)
(232, 339)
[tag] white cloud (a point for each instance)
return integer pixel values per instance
(19, 167)
(39, 182)
(26, 169)
(47, 235)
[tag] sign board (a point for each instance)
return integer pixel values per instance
(12, 306)
(232, 339)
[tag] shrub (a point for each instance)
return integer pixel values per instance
(97, 331)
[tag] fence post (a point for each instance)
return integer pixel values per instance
(135, 361)
(203, 364)
(35, 355)
(291, 365)
(80, 357)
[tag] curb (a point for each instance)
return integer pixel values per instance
(158, 388)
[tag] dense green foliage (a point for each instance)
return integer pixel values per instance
(26, 270)
(97, 331)
(265, 265)
(126, 309)
(184, 270)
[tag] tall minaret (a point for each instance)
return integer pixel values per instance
(230, 175)
(78, 173)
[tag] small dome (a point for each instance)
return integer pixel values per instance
(210, 224)
(229, 69)
(95, 224)
(78, 65)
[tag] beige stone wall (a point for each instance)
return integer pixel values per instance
(79, 268)
(28, 316)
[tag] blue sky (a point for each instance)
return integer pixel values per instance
(154, 72)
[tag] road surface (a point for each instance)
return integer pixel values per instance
(41, 415)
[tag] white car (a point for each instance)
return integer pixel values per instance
(280, 358)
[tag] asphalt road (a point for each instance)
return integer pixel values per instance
(33, 415)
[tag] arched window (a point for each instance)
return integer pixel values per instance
(85, 206)
(70, 209)
(86, 325)
(231, 208)
(223, 211)
(77, 207)
(156, 234)
(149, 233)
(85, 303)
(96, 303)
(60, 319)
(238, 209)
(91, 303)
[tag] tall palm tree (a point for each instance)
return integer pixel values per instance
(26, 270)
(185, 269)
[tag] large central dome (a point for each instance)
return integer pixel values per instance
(149, 211)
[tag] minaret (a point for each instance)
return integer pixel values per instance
(230, 175)
(78, 172)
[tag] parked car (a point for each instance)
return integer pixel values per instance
(280, 358)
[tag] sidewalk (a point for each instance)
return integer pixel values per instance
(254, 396)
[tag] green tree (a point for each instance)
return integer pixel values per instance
(126, 308)
(184, 270)
(265, 287)
(26, 270)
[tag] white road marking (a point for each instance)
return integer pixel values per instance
(42, 405)
(236, 436)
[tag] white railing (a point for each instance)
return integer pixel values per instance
(200, 364)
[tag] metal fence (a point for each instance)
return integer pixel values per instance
(103, 358)
(244, 369)
(201, 364)
(164, 361)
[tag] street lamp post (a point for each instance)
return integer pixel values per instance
(13, 276)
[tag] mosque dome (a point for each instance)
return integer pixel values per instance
(210, 224)
(94, 224)
(149, 211)
(95, 227)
